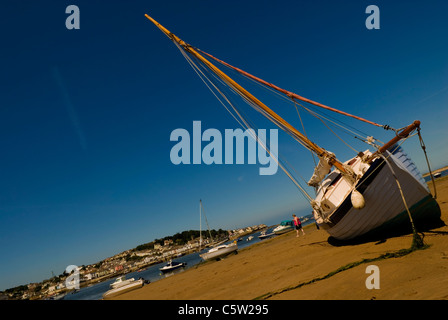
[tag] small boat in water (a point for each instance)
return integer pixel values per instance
(58, 296)
(123, 286)
(220, 251)
(172, 265)
(284, 226)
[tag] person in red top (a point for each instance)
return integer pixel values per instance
(298, 225)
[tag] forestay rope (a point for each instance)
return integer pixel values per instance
(242, 121)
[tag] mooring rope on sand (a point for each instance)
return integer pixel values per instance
(397, 254)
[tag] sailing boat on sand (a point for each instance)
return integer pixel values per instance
(219, 250)
(372, 192)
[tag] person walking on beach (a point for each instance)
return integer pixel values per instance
(298, 225)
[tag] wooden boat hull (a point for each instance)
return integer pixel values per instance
(384, 208)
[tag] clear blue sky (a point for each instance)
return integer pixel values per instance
(86, 115)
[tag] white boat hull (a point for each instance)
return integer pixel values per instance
(172, 267)
(283, 230)
(220, 251)
(265, 236)
(126, 288)
(383, 201)
(121, 283)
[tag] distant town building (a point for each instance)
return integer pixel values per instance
(119, 268)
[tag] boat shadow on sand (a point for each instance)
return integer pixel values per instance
(381, 236)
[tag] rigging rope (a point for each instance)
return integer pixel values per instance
(304, 131)
(258, 106)
(422, 144)
(294, 95)
(205, 216)
(316, 114)
(331, 130)
(242, 121)
(417, 241)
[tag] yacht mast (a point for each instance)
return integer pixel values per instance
(279, 121)
(200, 226)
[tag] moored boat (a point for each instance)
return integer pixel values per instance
(128, 286)
(264, 235)
(219, 251)
(283, 227)
(172, 265)
(384, 207)
(121, 281)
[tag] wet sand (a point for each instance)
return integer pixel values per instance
(284, 268)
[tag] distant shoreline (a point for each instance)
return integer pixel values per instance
(436, 170)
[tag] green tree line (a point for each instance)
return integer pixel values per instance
(183, 237)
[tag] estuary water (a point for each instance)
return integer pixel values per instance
(152, 273)
(442, 174)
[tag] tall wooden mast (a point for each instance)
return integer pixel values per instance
(311, 145)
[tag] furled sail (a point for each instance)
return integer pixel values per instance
(322, 169)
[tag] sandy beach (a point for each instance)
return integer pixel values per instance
(287, 267)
